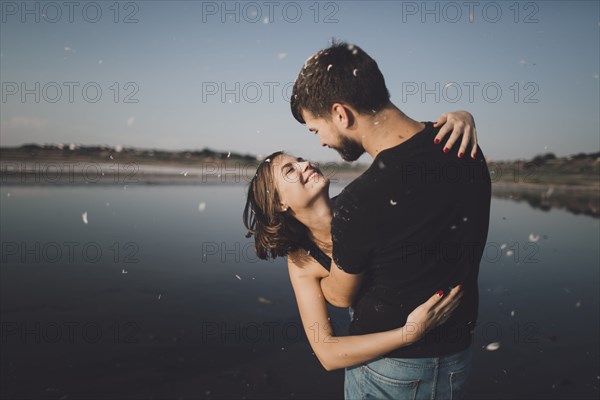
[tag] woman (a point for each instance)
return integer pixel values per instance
(289, 212)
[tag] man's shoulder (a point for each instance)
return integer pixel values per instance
(356, 191)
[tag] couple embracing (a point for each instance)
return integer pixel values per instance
(400, 246)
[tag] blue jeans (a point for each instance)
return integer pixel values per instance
(409, 378)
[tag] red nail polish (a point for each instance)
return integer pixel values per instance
(446, 149)
(460, 155)
(459, 287)
(440, 293)
(436, 141)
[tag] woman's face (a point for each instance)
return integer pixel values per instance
(298, 182)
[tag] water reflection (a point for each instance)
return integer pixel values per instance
(197, 315)
(584, 201)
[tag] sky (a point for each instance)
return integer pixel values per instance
(189, 74)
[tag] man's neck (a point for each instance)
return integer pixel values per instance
(386, 129)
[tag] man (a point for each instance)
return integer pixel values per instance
(415, 222)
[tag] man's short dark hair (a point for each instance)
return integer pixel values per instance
(341, 73)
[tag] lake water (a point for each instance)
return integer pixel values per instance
(159, 295)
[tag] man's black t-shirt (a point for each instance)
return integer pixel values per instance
(415, 222)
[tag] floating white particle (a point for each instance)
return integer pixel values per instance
(8, 194)
(493, 346)
(350, 46)
(84, 217)
(185, 173)
(263, 300)
(329, 67)
(159, 296)
(465, 219)
(533, 237)
(107, 204)
(201, 206)
(268, 160)
(392, 202)
(228, 154)
(354, 72)
(512, 313)
(308, 252)
(381, 165)
(237, 276)
(354, 52)
(111, 157)
(124, 272)
(453, 227)
(578, 304)
(509, 253)
(503, 246)
(376, 123)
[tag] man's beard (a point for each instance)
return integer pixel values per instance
(349, 149)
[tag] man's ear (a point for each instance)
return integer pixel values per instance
(342, 115)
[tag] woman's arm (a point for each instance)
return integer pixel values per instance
(344, 351)
(459, 123)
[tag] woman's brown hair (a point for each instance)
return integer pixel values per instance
(276, 233)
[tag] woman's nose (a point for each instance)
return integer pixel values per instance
(304, 165)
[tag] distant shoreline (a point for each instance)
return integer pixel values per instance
(117, 172)
(576, 193)
(75, 164)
